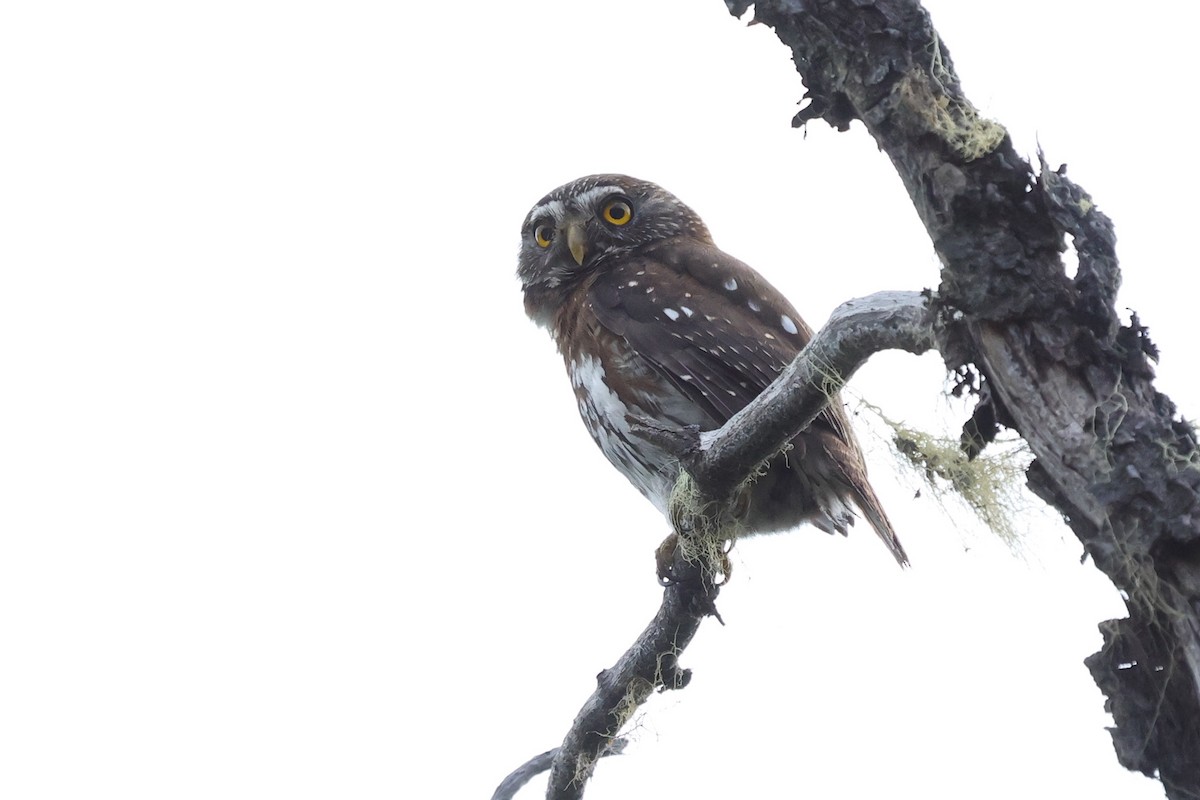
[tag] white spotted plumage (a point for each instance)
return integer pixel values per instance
(655, 322)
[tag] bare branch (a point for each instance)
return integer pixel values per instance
(724, 458)
(535, 766)
(651, 663)
(856, 330)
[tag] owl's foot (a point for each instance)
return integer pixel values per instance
(674, 553)
(664, 557)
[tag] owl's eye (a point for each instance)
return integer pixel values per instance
(618, 212)
(543, 234)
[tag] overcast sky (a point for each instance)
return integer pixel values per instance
(295, 502)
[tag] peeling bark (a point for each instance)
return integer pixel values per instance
(1056, 362)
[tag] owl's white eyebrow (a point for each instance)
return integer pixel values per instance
(558, 208)
(554, 208)
(595, 193)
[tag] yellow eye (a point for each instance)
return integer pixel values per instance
(543, 234)
(618, 212)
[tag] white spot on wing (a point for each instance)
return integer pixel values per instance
(672, 313)
(731, 284)
(753, 306)
(686, 310)
(787, 324)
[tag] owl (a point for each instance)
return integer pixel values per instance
(655, 322)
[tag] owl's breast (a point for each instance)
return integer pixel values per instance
(613, 383)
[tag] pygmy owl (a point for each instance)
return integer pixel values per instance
(654, 321)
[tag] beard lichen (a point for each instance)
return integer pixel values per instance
(704, 530)
(927, 105)
(989, 484)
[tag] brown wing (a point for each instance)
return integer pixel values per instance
(720, 334)
(704, 337)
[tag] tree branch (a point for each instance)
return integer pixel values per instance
(535, 766)
(856, 330)
(721, 460)
(1057, 364)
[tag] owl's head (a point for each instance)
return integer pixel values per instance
(583, 225)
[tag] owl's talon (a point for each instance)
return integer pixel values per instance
(665, 554)
(664, 558)
(726, 566)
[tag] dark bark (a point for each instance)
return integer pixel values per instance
(1057, 365)
(651, 664)
(520, 776)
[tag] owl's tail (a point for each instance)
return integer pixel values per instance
(842, 449)
(872, 509)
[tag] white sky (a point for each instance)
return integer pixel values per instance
(294, 501)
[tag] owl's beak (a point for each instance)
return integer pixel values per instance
(576, 241)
